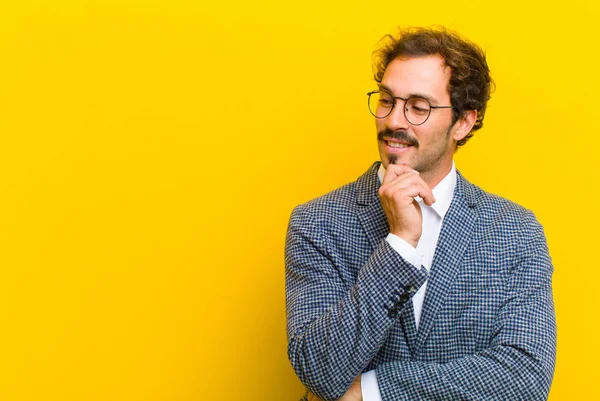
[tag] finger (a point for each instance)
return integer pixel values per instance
(408, 186)
(404, 180)
(424, 190)
(394, 170)
(405, 195)
(403, 191)
(426, 194)
(400, 196)
(428, 199)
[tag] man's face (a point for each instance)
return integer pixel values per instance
(427, 148)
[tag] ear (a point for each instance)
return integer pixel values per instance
(464, 125)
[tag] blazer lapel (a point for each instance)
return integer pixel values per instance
(454, 238)
(370, 213)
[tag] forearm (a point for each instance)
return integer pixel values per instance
(502, 373)
(333, 348)
(334, 330)
(519, 362)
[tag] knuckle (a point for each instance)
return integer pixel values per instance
(398, 195)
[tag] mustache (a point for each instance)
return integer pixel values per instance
(398, 135)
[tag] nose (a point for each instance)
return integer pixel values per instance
(397, 119)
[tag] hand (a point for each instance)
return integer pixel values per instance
(400, 186)
(354, 393)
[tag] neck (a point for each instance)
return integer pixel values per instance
(433, 178)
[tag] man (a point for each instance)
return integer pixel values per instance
(412, 283)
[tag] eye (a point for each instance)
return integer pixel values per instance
(418, 106)
(419, 110)
(385, 102)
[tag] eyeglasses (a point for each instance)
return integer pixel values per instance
(416, 109)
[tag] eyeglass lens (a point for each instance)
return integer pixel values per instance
(416, 109)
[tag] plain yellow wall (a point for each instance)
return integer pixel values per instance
(152, 151)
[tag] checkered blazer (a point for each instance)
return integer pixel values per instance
(487, 330)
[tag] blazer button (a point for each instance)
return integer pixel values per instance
(393, 313)
(410, 289)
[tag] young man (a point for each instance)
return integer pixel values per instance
(412, 283)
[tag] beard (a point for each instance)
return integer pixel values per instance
(426, 160)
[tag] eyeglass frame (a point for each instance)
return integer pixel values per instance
(404, 107)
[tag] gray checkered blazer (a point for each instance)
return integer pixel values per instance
(487, 330)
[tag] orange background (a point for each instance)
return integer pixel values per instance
(152, 152)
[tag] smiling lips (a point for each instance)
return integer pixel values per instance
(396, 144)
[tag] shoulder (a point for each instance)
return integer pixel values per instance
(338, 208)
(330, 213)
(335, 201)
(489, 205)
(499, 217)
(344, 199)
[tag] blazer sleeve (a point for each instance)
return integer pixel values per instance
(519, 363)
(334, 329)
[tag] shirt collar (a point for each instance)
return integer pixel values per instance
(443, 191)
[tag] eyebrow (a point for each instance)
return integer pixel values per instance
(424, 96)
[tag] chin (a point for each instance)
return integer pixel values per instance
(394, 159)
(386, 159)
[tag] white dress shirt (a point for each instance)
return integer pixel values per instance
(422, 255)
